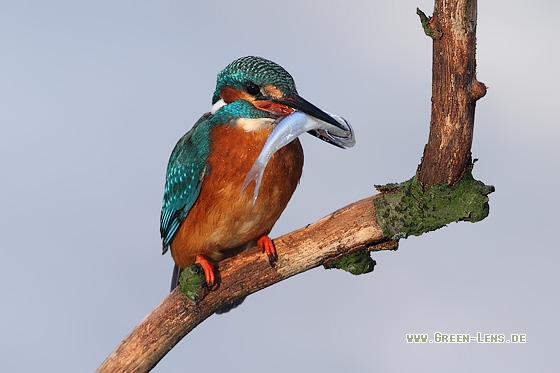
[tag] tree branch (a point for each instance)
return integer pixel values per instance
(455, 91)
(347, 230)
(442, 191)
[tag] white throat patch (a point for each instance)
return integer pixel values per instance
(220, 103)
(248, 124)
(254, 124)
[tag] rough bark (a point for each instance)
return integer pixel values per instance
(359, 226)
(347, 230)
(455, 91)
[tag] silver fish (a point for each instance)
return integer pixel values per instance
(287, 130)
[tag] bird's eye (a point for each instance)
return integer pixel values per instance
(252, 88)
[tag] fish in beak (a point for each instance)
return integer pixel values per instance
(306, 118)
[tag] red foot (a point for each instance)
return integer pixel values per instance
(265, 243)
(207, 268)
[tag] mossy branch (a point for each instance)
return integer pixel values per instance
(442, 191)
(428, 26)
(407, 208)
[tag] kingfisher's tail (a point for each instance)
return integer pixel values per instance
(175, 278)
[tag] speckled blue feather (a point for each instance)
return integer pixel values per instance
(257, 70)
(185, 172)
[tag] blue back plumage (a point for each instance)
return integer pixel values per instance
(185, 172)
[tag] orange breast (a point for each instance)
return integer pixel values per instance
(223, 220)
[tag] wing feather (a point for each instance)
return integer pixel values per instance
(185, 173)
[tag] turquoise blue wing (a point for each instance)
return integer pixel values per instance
(185, 172)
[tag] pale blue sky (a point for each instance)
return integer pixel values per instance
(94, 95)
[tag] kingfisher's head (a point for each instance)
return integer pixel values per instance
(267, 86)
(253, 79)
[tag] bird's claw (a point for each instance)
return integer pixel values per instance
(208, 269)
(266, 244)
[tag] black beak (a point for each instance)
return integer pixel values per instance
(297, 102)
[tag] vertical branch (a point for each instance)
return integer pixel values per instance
(401, 210)
(455, 91)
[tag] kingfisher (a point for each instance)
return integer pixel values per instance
(208, 214)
